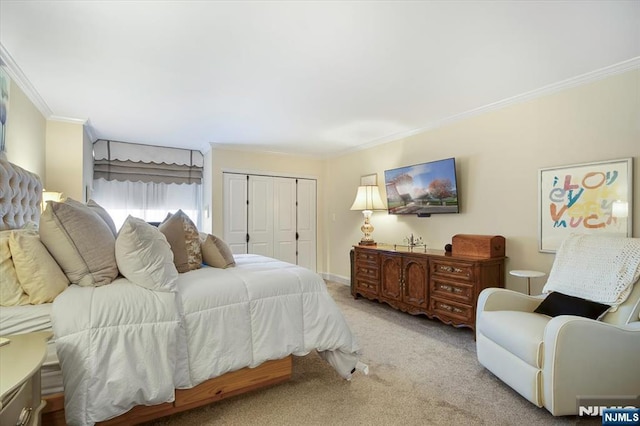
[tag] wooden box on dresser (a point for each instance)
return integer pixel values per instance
(429, 282)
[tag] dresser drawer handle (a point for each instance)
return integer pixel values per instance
(25, 416)
(451, 308)
(450, 269)
(450, 288)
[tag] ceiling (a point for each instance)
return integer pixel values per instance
(306, 77)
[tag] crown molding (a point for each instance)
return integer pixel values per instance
(23, 82)
(16, 74)
(70, 120)
(260, 149)
(84, 122)
(88, 128)
(599, 74)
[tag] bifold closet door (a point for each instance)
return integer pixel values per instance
(306, 223)
(271, 216)
(235, 212)
(284, 219)
(260, 221)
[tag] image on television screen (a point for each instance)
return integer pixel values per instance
(423, 189)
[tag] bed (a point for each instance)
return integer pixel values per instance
(127, 352)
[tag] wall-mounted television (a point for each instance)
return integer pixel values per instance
(423, 189)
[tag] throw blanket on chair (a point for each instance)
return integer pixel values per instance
(597, 268)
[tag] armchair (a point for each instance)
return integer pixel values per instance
(551, 361)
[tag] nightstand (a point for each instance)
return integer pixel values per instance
(528, 275)
(20, 362)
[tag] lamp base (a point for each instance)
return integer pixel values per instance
(367, 243)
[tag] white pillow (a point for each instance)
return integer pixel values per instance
(144, 256)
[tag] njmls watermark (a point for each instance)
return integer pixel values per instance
(615, 410)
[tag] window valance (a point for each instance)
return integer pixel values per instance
(124, 161)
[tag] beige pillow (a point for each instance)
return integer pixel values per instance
(80, 241)
(144, 256)
(38, 273)
(11, 293)
(104, 215)
(216, 252)
(182, 235)
(99, 210)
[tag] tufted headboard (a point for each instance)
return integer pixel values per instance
(20, 196)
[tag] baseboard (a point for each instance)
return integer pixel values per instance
(336, 278)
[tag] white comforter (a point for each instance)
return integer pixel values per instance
(121, 345)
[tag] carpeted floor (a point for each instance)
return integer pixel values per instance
(422, 372)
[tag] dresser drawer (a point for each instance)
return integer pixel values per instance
(367, 271)
(452, 290)
(458, 312)
(366, 286)
(452, 269)
(365, 256)
(14, 405)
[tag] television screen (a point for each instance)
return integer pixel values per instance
(423, 189)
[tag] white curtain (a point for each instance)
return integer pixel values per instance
(147, 200)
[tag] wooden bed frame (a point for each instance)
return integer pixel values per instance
(227, 385)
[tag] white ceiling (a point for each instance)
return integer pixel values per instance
(312, 77)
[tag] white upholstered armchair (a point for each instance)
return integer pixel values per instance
(552, 361)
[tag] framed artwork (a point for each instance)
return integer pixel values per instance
(590, 198)
(4, 106)
(371, 179)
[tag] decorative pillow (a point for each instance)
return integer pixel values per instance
(561, 304)
(144, 256)
(216, 252)
(99, 210)
(183, 237)
(104, 215)
(80, 241)
(11, 293)
(38, 273)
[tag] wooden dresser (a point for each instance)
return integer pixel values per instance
(433, 283)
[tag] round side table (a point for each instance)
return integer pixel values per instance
(522, 273)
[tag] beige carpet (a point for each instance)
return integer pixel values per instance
(422, 372)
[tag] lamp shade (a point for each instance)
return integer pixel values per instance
(368, 198)
(50, 196)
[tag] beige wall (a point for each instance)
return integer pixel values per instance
(26, 133)
(59, 152)
(498, 155)
(65, 158)
(269, 164)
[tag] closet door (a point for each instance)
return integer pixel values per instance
(306, 223)
(284, 219)
(235, 212)
(260, 220)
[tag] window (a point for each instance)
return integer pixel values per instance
(147, 181)
(149, 201)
